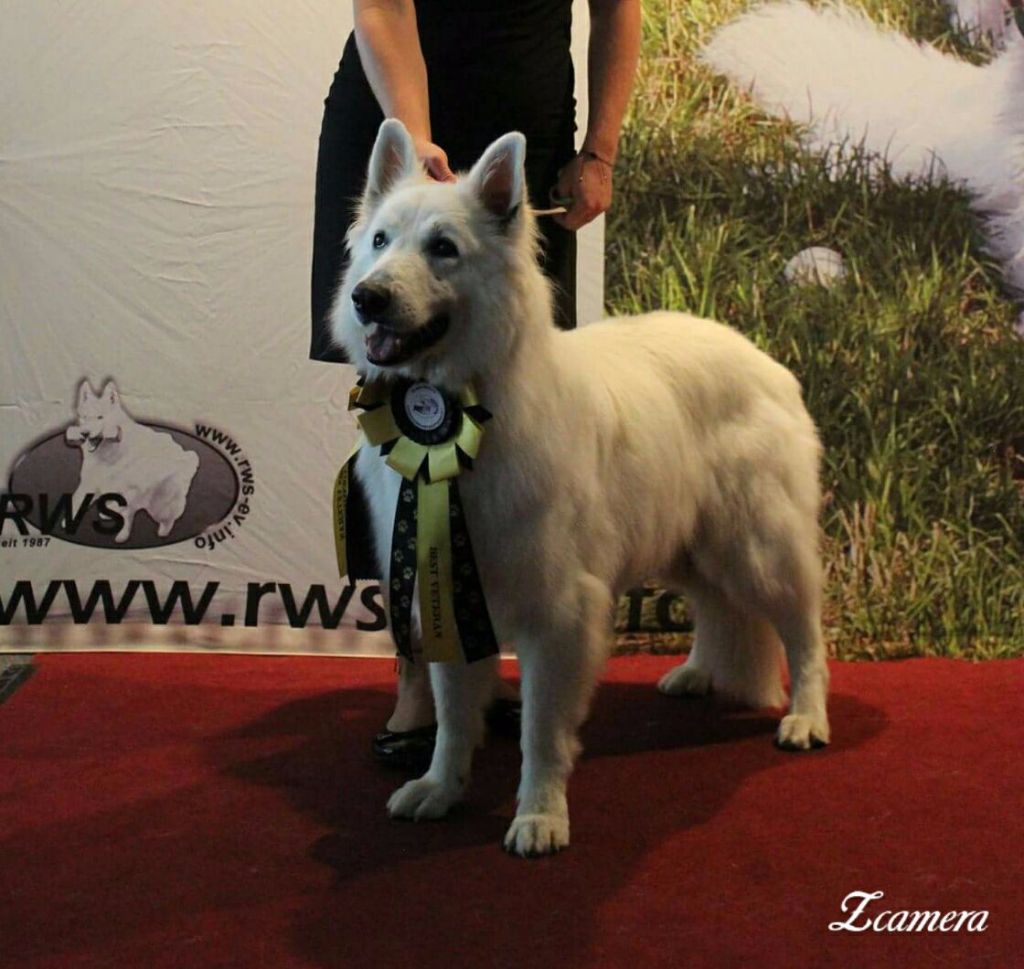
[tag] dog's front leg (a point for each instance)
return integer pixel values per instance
(78, 500)
(461, 692)
(559, 671)
(126, 529)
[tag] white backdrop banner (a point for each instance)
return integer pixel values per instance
(167, 449)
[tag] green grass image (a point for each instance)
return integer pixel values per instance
(909, 366)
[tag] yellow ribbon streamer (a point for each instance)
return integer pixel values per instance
(406, 457)
(440, 635)
(378, 425)
(443, 461)
(341, 487)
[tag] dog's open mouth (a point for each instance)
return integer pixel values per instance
(386, 347)
(92, 443)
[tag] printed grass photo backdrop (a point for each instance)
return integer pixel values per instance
(910, 366)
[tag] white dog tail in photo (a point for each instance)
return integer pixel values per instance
(856, 84)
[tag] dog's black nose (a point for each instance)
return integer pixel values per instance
(370, 301)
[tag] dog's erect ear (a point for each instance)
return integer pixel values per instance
(498, 179)
(85, 392)
(109, 394)
(393, 158)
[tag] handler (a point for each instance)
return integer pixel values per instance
(459, 75)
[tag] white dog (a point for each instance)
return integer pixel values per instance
(925, 112)
(148, 468)
(660, 446)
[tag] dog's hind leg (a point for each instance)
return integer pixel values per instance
(173, 508)
(167, 504)
(735, 654)
(692, 677)
(461, 692)
(126, 529)
(559, 671)
(791, 598)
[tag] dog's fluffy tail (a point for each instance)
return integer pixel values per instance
(852, 82)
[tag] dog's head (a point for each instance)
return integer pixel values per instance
(99, 416)
(434, 265)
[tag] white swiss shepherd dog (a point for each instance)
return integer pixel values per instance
(147, 467)
(662, 446)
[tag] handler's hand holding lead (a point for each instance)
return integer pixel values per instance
(587, 181)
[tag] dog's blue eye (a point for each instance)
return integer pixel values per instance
(442, 248)
(380, 240)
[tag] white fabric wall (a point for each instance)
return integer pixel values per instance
(156, 187)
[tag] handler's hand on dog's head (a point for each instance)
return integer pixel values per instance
(435, 160)
(588, 182)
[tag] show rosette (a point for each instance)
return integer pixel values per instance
(428, 436)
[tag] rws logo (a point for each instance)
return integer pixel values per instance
(109, 481)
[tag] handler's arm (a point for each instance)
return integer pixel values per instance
(611, 62)
(389, 48)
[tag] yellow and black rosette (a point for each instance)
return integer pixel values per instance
(428, 436)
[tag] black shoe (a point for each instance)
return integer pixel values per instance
(412, 750)
(505, 717)
(409, 750)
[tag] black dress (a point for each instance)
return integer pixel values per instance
(492, 66)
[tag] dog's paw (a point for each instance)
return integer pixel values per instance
(423, 799)
(798, 731)
(533, 835)
(684, 680)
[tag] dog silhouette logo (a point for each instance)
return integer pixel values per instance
(151, 470)
(425, 406)
(108, 479)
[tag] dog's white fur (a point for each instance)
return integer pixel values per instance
(121, 456)
(657, 446)
(856, 84)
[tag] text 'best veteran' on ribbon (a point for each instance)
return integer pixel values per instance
(428, 437)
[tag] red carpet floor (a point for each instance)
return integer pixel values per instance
(201, 811)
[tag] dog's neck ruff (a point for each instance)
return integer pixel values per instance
(428, 436)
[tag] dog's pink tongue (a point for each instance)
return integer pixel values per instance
(383, 345)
